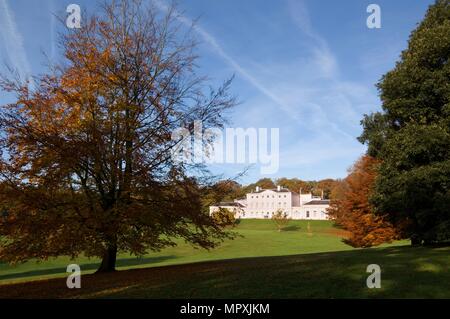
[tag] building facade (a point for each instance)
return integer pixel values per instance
(263, 203)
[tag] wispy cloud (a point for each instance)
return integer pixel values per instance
(214, 45)
(321, 109)
(13, 41)
(52, 8)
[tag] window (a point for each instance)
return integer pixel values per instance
(307, 214)
(267, 196)
(284, 196)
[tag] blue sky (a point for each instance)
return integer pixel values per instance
(307, 67)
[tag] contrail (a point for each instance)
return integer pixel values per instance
(239, 69)
(232, 62)
(13, 42)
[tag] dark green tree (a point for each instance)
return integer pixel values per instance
(412, 134)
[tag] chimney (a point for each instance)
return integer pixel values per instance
(278, 188)
(257, 188)
(322, 195)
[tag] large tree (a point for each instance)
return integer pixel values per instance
(412, 134)
(350, 207)
(87, 163)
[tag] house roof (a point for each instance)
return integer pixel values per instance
(236, 204)
(283, 190)
(318, 202)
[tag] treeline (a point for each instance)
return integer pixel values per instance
(327, 187)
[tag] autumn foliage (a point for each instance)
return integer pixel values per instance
(87, 165)
(281, 219)
(350, 207)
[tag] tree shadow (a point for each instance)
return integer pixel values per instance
(291, 228)
(406, 272)
(125, 262)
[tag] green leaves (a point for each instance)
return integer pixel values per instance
(412, 134)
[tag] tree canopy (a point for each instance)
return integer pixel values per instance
(87, 162)
(411, 136)
(352, 210)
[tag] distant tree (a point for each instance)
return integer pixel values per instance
(353, 211)
(326, 186)
(411, 136)
(309, 229)
(281, 219)
(87, 165)
(265, 183)
(338, 190)
(294, 184)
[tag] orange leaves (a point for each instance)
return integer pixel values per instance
(352, 210)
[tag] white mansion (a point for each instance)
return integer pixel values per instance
(263, 203)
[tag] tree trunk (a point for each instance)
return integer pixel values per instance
(416, 240)
(109, 260)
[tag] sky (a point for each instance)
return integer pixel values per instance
(306, 67)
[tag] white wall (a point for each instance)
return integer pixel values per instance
(265, 203)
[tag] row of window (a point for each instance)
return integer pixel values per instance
(268, 196)
(308, 214)
(267, 205)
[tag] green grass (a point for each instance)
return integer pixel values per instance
(259, 238)
(263, 263)
(406, 272)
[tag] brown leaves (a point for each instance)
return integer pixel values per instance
(89, 149)
(351, 208)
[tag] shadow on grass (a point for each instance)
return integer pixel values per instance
(291, 228)
(406, 273)
(125, 262)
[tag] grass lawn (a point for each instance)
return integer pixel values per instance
(406, 273)
(259, 238)
(295, 265)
